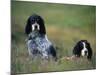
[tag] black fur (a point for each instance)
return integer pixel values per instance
(31, 20)
(39, 42)
(78, 47)
(53, 52)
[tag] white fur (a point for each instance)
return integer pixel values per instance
(84, 49)
(33, 26)
(29, 50)
(48, 40)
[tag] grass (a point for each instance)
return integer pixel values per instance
(65, 25)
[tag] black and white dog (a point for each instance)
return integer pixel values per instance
(37, 42)
(83, 48)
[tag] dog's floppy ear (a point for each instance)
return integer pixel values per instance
(90, 51)
(77, 49)
(42, 26)
(28, 28)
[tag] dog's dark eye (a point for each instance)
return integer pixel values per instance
(32, 19)
(87, 44)
(38, 19)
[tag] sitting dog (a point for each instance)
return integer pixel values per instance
(37, 42)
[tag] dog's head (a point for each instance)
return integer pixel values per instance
(83, 48)
(35, 23)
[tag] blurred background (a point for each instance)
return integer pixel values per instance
(65, 24)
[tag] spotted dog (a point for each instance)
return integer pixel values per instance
(37, 42)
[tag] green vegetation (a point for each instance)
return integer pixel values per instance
(65, 25)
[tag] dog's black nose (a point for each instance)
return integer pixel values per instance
(85, 52)
(36, 27)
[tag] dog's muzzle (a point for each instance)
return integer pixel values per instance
(84, 53)
(35, 26)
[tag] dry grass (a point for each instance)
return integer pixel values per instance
(64, 41)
